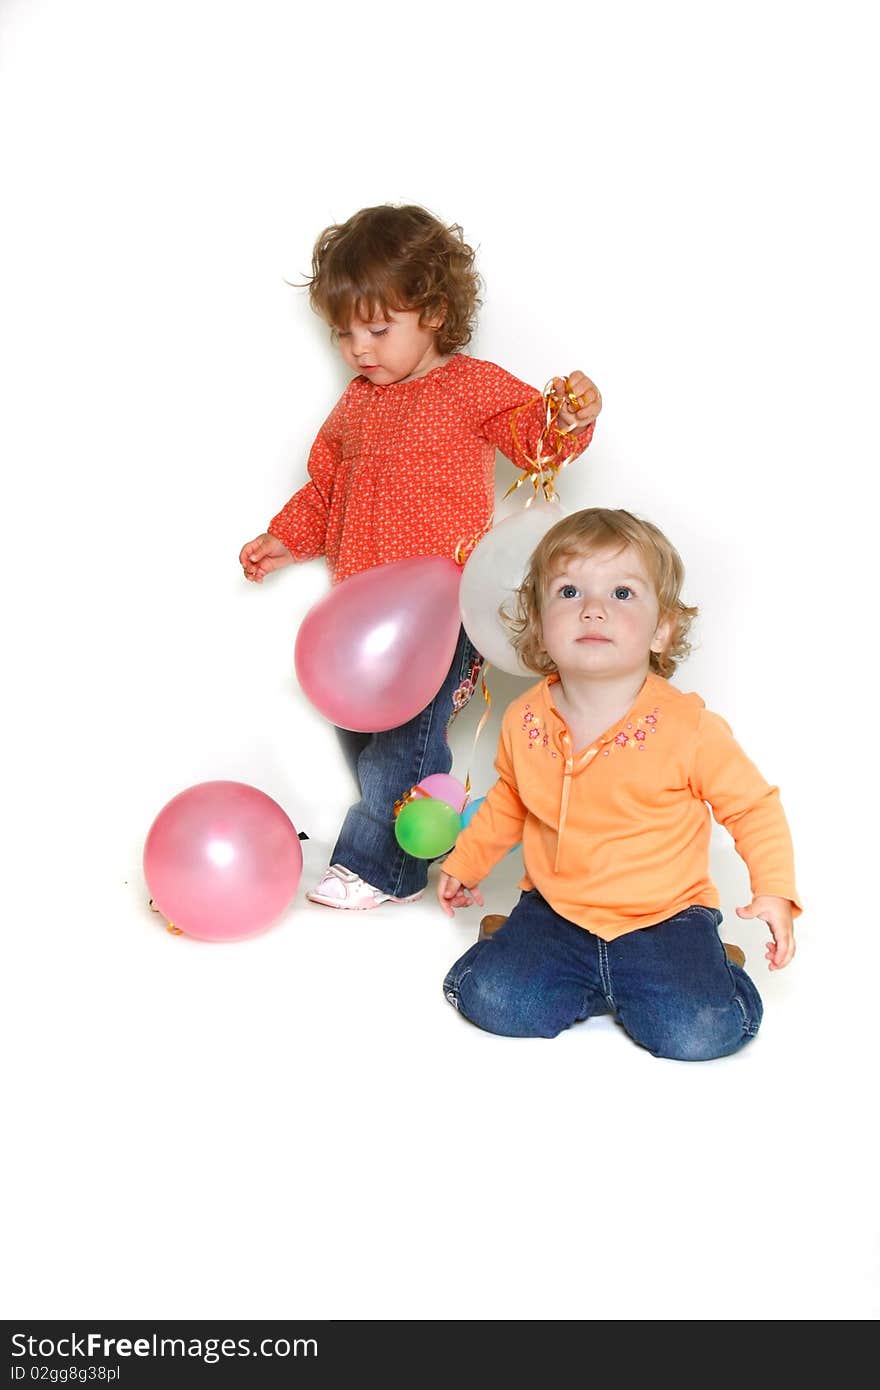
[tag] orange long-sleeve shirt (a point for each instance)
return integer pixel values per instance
(616, 836)
(409, 468)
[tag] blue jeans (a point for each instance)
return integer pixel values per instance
(385, 766)
(671, 986)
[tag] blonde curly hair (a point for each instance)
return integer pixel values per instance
(596, 529)
(400, 258)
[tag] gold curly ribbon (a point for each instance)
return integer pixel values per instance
(169, 926)
(464, 548)
(410, 796)
(544, 467)
(541, 470)
(487, 700)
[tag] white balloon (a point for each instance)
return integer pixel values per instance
(495, 569)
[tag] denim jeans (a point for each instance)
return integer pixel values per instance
(671, 986)
(385, 766)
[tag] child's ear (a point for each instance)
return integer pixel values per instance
(438, 318)
(663, 633)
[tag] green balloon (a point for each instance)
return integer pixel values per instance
(427, 827)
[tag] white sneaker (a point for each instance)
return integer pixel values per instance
(341, 888)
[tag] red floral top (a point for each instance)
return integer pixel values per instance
(408, 469)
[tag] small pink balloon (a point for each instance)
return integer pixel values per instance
(222, 861)
(375, 651)
(444, 788)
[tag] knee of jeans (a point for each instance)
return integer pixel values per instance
(708, 1033)
(488, 1001)
(474, 995)
(450, 989)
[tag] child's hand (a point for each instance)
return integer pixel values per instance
(262, 555)
(452, 894)
(776, 912)
(579, 402)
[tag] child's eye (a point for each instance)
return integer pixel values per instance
(568, 591)
(623, 591)
(378, 332)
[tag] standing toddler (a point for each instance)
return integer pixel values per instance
(404, 466)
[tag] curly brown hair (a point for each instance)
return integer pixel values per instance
(399, 258)
(595, 529)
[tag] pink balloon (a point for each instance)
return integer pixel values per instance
(375, 651)
(444, 788)
(222, 861)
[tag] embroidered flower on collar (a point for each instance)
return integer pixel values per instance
(634, 734)
(536, 736)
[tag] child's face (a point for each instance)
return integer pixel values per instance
(601, 616)
(390, 347)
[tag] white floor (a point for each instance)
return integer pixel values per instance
(299, 1125)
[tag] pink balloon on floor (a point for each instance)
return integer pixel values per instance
(444, 788)
(222, 861)
(375, 651)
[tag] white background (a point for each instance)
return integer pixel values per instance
(676, 199)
